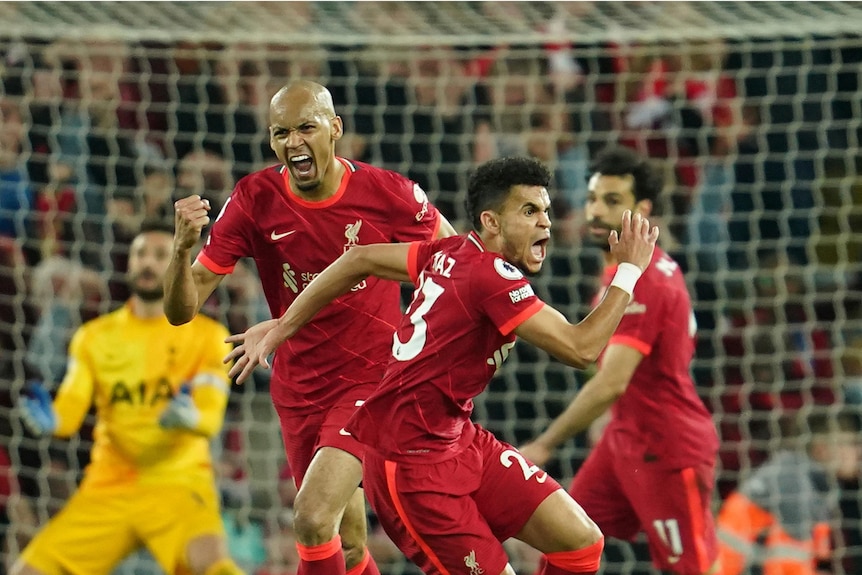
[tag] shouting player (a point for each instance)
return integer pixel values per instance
(294, 219)
(447, 491)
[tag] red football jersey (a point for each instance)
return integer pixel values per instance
(456, 333)
(292, 240)
(660, 416)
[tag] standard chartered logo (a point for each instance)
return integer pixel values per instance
(500, 356)
(289, 277)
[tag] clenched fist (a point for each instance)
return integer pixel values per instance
(190, 217)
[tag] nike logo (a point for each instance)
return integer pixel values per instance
(275, 237)
(343, 431)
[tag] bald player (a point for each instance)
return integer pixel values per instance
(294, 219)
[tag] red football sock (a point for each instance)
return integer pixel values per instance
(324, 559)
(365, 567)
(581, 562)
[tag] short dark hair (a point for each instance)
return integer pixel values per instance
(622, 161)
(492, 181)
(156, 225)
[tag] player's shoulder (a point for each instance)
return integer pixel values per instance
(663, 270)
(487, 266)
(103, 324)
(269, 178)
(384, 178)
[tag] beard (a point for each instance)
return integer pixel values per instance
(306, 186)
(600, 241)
(146, 294)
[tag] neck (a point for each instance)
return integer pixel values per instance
(329, 184)
(146, 309)
(492, 242)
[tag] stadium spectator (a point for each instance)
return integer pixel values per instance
(66, 294)
(17, 520)
(851, 368)
(242, 76)
(16, 195)
(16, 317)
(160, 394)
(282, 555)
(281, 539)
(782, 516)
(293, 219)
(514, 94)
(435, 131)
(206, 174)
(55, 212)
(659, 437)
(151, 199)
(439, 483)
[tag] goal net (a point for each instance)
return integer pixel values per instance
(111, 110)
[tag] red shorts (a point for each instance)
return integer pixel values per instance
(451, 516)
(304, 431)
(626, 495)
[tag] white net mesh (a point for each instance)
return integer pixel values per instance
(111, 110)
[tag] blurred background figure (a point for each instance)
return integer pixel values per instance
(784, 516)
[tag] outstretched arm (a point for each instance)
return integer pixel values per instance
(385, 261)
(62, 416)
(580, 345)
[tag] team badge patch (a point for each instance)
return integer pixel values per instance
(419, 194)
(422, 200)
(507, 270)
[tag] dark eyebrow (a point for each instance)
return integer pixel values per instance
(276, 127)
(533, 205)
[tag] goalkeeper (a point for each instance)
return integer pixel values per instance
(160, 394)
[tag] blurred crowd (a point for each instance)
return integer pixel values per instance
(762, 208)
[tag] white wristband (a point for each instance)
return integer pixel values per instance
(626, 277)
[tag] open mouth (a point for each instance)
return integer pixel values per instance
(540, 249)
(303, 164)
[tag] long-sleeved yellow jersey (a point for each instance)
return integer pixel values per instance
(130, 368)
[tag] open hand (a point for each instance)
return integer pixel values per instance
(253, 349)
(636, 242)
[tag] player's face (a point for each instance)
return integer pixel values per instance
(302, 135)
(525, 227)
(149, 257)
(608, 197)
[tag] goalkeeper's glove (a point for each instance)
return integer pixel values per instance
(181, 412)
(37, 409)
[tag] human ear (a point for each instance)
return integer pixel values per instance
(644, 208)
(337, 128)
(490, 221)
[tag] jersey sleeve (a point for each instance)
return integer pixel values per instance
(643, 320)
(210, 385)
(75, 395)
(504, 295)
(413, 216)
(418, 257)
(229, 237)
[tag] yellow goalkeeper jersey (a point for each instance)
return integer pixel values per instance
(130, 368)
